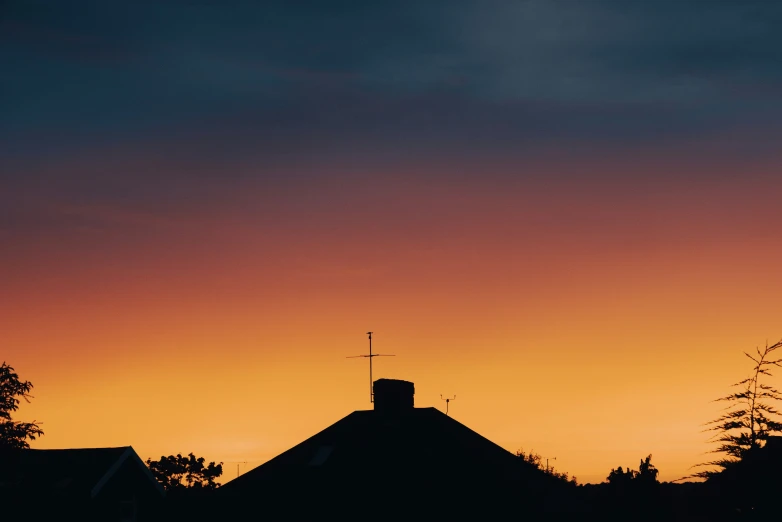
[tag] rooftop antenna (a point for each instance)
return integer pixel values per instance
(447, 401)
(371, 392)
(237, 465)
(547, 468)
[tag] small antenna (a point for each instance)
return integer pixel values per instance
(371, 392)
(447, 401)
(547, 459)
(237, 462)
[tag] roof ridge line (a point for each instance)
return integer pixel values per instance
(113, 469)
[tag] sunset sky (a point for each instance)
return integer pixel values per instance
(565, 212)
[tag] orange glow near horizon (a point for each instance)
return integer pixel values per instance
(591, 322)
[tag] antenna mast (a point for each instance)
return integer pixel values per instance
(447, 401)
(237, 462)
(371, 392)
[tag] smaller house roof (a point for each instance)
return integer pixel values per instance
(752, 482)
(73, 473)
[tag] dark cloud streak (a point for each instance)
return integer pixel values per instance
(166, 91)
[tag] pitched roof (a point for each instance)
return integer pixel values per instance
(366, 452)
(774, 446)
(753, 481)
(425, 438)
(75, 473)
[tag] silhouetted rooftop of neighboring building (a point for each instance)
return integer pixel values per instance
(774, 446)
(758, 462)
(72, 473)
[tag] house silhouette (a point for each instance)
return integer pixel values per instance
(395, 461)
(752, 484)
(106, 484)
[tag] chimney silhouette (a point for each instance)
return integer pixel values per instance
(393, 396)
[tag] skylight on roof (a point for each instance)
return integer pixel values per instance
(321, 455)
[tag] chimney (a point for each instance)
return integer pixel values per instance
(393, 396)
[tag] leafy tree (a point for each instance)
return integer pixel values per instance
(176, 472)
(537, 461)
(531, 458)
(750, 417)
(14, 434)
(646, 474)
(636, 492)
(620, 476)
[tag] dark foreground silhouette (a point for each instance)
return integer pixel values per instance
(395, 462)
(398, 462)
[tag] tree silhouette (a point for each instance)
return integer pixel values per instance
(750, 418)
(646, 474)
(176, 472)
(531, 458)
(536, 460)
(14, 434)
(619, 476)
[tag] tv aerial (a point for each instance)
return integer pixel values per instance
(237, 462)
(447, 401)
(370, 356)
